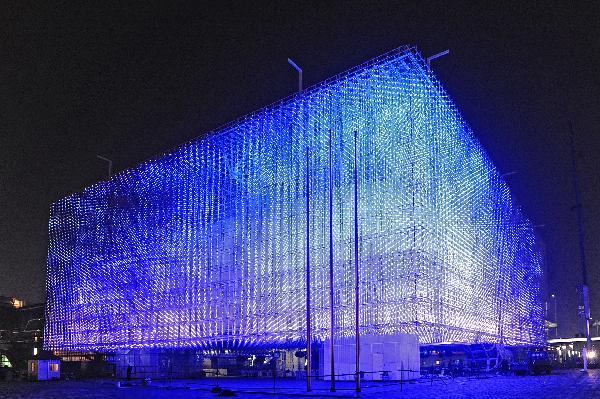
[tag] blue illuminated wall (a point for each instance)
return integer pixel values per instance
(205, 246)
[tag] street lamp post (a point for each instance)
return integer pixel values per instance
(438, 55)
(308, 310)
(109, 164)
(297, 68)
(584, 293)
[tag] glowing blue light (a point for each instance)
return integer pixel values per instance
(205, 246)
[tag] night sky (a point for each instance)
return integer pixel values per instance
(130, 82)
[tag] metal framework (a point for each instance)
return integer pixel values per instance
(205, 246)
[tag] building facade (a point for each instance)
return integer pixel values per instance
(206, 246)
(21, 333)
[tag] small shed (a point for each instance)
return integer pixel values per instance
(42, 367)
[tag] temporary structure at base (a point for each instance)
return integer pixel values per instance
(43, 367)
(382, 357)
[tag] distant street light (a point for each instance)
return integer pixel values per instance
(584, 309)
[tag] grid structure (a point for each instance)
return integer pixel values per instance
(205, 246)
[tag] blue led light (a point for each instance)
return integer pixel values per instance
(205, 246)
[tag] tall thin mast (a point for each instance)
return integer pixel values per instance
(584, 287)
(356, 270)
(331, 297)
(308, 324)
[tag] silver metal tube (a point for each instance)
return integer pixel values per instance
(331, 296)
(356, 271)
(308, 324)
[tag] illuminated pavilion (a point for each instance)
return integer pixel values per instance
(206, 245)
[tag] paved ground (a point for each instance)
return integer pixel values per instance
(561, 384)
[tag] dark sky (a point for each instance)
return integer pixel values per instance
(130, 82)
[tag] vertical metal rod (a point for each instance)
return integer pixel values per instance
(555, 317)
(556, 321)
(578, 206)
(356, 271)
(308, 324)
(584, 288)
(331, 297)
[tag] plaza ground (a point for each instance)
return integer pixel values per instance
(561, 384)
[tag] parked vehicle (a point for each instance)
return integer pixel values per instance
(531, 361)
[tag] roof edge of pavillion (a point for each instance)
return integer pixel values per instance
(357, 70)
(214, 133)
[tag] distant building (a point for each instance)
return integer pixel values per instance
(43, 367)
(21, 331)
(11, 302)
(569, 351)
